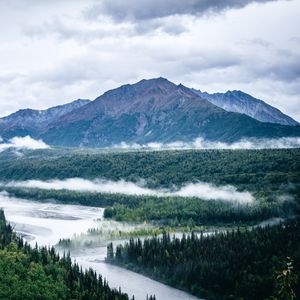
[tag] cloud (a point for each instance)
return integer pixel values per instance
(150, 9)
(276, 64)
(65, 29)
(201, 190)
(22, 143)
(200, 143)
(63, 53)
(208, 191)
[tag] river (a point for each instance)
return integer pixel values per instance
(45, 223)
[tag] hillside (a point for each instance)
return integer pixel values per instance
(238, 101)
(155, 110)
(32, 122)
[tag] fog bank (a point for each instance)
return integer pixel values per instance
(46, 223)
(201, 190)
(23, 143)
(200, 143)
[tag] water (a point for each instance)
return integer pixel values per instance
(46, 223)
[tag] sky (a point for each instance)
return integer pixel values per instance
(53, 52)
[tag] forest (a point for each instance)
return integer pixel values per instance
(175, 211)
(261, 263)
(170, 211)
(270, 175)
(41, 274)
(262, 171)
(255, 263)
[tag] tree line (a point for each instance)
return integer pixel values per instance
(40, 273)
(171, 211)
(248, 264)
(253, 170)
(268, 174)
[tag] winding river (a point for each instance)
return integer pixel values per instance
(45, 223)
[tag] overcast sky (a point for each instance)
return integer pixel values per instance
(53, 52)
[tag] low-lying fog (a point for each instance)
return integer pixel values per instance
(19, 143)
(201, 143)
(22, 143)
(46, 223)
(201, 190)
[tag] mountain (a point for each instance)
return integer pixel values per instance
(238, 101)
(32, 122)
(155, 110)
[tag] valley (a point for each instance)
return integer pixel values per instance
(149, 150)
(46, 223)
(83, 200)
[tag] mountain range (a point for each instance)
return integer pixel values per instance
(154, 110)
(238, 101)
(32, 122)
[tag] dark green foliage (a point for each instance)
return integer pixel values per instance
(172, 211)
(268, 174)
(250, 169)
(286, 280)
(241, 264)
(232, 265)
(6, 233)
(32, 273)
(176, 211)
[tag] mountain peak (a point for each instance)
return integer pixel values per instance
(30, 121)
(151, 110)
(241, 102)
(159, 81)
(236, 92)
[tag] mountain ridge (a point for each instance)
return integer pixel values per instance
(238, 101)
(153, 110)
(30, 121)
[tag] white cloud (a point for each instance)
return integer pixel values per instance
(151, 9)
(200, 143)
(22, 143)
(201, 190)
(208, 191)
(58, 54)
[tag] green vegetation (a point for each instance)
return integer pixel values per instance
(233, 265)
(247, 264)
(109, 231)
(191, 212)
(32, 273)
(168, 211)
(261, 171)
(270, 175)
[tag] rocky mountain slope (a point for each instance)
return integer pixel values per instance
(154, 110)
(32, 122)
(238, 101)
